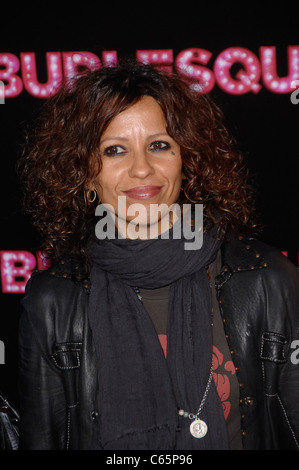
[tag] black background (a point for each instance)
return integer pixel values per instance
(265, 124)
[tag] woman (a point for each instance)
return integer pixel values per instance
(136, 341)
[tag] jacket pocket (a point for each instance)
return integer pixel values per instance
(272, 354)
(66, 356)
(273, 347)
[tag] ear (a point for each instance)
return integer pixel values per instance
(92, 185)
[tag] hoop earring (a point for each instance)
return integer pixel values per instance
(90, 199)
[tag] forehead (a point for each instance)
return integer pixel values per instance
(144, 115)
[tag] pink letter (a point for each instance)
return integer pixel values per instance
(109, 58)
(201, 78)
(269, 69)
(161, 58)
(72, 61)
(11, 66)
(247, 78)
(16, 268)
(31, 83)
(42, 261)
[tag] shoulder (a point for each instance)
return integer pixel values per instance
(259, 273)
(61, 277)
(241, 253)
(260, 282)
(54, 293)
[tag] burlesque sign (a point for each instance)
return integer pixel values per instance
(199, 66)
(236, 71)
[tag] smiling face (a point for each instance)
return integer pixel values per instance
(139, 161)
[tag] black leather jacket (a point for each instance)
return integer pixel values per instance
(258, 295)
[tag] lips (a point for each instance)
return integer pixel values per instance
(143, 192)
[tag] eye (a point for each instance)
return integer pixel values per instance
(159, 145)
(114, 150)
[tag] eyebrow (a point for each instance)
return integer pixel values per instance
(152, 136)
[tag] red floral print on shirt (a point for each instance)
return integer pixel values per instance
(221, 379)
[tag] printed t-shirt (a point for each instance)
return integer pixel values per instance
(155, 302)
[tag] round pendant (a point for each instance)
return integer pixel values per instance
(198, 428)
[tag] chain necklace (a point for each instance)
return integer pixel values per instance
(198, 427)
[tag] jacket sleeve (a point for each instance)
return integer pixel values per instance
(258, 294)
(42, 400)
(280, 357)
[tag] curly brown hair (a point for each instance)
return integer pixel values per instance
(61, 151)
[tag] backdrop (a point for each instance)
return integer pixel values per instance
(246, 57)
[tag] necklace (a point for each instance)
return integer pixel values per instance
(198, 427)
(137, 291)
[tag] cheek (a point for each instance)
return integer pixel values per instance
(174, 171)
(108, 179)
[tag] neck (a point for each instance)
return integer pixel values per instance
(141, 231)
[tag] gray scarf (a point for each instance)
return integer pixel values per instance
(140, 391)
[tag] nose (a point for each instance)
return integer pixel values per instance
(140, 166)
